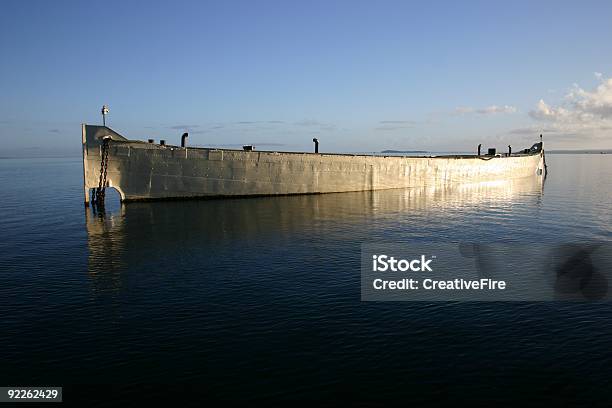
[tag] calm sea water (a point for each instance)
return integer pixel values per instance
(258, 298)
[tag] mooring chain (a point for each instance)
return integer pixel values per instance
(101, 190)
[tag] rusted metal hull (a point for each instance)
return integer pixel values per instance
(144, 171)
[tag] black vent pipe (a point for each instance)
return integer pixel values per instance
(316, 142)
(184, 139)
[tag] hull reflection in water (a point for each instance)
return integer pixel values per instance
(197, 236)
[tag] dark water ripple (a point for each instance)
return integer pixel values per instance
(260, 297)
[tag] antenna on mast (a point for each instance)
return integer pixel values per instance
(104, 113)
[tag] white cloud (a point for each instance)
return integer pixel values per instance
(398, 122)
(463, 109)
(316, 124)
(544, 111)
(489, 110)
(496, 109)
(582, 113)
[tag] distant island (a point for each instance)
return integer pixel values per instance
(404, 151)
(582, 151)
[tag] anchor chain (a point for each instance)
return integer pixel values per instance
(100, 192)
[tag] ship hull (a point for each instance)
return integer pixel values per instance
(144, 171)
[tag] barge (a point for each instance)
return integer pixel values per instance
(141, 170)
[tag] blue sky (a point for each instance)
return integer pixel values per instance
(360, 76)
